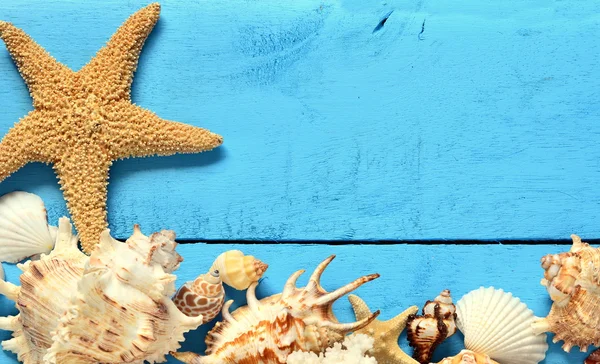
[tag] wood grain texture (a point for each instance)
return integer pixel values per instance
(482, 127)
(410, 275)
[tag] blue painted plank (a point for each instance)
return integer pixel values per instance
(410, 275)
(481, 124)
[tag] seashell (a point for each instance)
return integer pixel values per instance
(497, 324)
(203, 296)
(469, 357)
(238, 270)
(112, 307)
(24, 229)
(594, 357)
(267, 331)
(572, 280)
(425, 332)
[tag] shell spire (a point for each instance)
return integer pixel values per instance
(268, 330)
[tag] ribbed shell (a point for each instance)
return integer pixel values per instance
(24, 229)
(267, 331)
(573, 282)
(497, 324)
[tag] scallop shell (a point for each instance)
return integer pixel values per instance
(238, 270)
(497, 324)
(24, 229)
(425, 332)
(469, 357)
(111, 307)
(267, 331)
(572, 280)
(203, 296)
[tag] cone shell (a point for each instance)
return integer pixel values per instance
(203, 296)
(238, 270)
(469, 357)
(24, 230)
(497, 324)
(111, 307)
(425, 332)
(572, 280)
(267, 331)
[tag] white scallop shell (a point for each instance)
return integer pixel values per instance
(24, 230)
(498, 324)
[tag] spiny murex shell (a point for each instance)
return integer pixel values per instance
(573, 283)
(267, 331)
(498, 325)
(111, 307)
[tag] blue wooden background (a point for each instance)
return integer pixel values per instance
(454, 120)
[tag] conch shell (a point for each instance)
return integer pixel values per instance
(573, 283)
(427, 331)
(267, 331)
(238, 270)
(111, 307)
(203, 296)
(497, 325)
(469, 357)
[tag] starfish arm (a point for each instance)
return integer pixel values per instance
(399, 322)
(360, 308)
(143, 133)
(83, 176)
(22, 144)
(111, 70)
(38, 68)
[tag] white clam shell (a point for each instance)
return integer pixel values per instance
(498, 324)
(24, 230)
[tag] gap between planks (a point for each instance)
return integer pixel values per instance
(389, 242)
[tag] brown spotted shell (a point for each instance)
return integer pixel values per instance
(573, 283)
(203, 296)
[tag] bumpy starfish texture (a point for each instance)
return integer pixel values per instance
(386, 333)
(82, 121)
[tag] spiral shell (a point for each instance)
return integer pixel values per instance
(203, 296)
(238, 270)
(267, 331)
(425, 332)
(573, 283)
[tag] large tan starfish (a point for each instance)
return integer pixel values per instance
(82, 121)
(386, 333)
